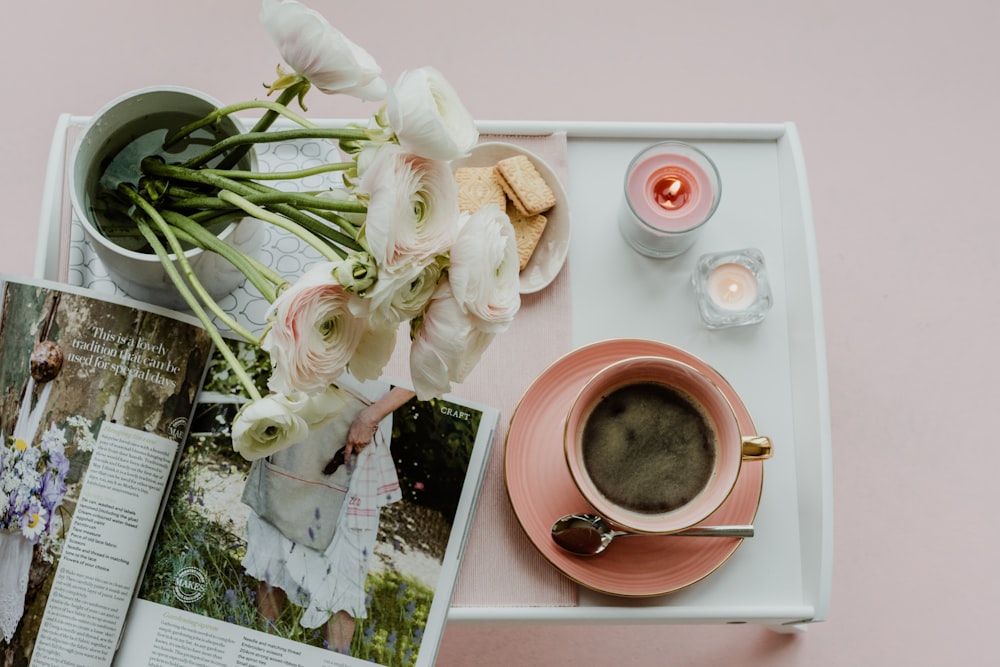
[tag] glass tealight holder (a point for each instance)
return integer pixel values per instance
(732, 288)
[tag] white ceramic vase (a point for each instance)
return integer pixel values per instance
(140, 274)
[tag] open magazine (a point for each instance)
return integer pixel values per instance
(132, 534)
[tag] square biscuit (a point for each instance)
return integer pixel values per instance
(477, 187)
(527, 232)
(524, 186)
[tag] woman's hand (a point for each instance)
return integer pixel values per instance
(366, 423)
(362, 431)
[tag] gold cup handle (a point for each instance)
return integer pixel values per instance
(756, 448)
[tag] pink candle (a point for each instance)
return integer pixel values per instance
(671, 190)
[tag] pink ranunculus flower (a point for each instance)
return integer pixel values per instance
(428, 117)
(268, 425)
(447, 344)
(313, 333)
(319, 52)
(412, 208)
(484, 269)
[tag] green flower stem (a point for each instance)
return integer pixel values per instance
(340, 221)
(250, 138)
(208, 208)
(271, 196)
(260, 275)
(175, 191)
(297, 89)
(348, 235)
(185, 237)
(305, 200)
(276, 200)
(213, 331)
(216, 218)
(323, 248)
(280, 175)
(189, 273)
(227, 110)
(287, 95)
(155, 167)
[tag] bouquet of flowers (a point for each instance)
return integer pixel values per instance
(32, 484)
(397, 251)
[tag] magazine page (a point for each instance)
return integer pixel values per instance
(96, 398)
(225, 586)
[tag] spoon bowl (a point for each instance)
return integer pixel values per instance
(589, 534)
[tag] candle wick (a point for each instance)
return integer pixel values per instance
(671, 192)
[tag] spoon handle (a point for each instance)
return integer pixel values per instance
(704, 531)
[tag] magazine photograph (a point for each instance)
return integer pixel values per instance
(96, 401)
(312, 556)
(133, 532)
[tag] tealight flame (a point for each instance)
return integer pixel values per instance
(732, 286)
(671, 192)
(733, 292)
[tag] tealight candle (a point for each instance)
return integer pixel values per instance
(671, 190)
(732, 288)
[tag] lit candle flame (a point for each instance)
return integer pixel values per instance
(733, 292)
(671, 192)
(732, 286)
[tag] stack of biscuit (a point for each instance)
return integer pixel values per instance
(514, 185)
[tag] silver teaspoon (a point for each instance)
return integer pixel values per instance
(588, 534)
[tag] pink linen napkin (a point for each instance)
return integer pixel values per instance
(501, 568)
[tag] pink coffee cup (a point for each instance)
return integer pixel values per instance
(654, 445)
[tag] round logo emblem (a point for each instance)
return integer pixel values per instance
(177, 427)
(189, 584)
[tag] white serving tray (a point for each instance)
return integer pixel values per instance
(781, 577)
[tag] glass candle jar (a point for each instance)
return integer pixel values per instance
(671, 191)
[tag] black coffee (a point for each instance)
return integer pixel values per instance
(648, 448)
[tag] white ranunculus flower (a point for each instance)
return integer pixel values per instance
(266, 426)
(313, 333)
(373, 352)
(319, 52)
(317, 407)
(447, 344)
(412, 207)
(428, 117)
(402, 294)
(484, 268)
(370, 150)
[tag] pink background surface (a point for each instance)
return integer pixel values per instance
(897, 109)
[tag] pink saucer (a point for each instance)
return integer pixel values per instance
(541, 489)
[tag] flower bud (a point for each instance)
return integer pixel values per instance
(357, 272)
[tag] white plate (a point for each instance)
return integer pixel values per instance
(550, 253)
